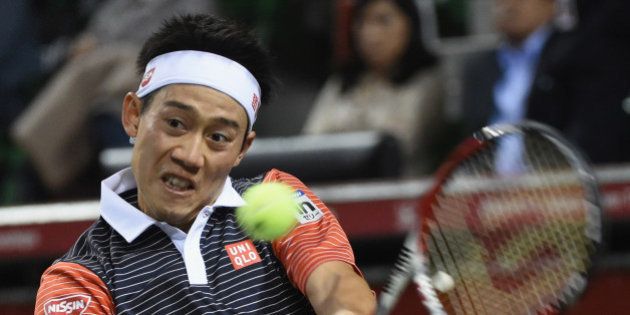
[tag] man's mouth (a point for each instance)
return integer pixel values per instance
(177, 183)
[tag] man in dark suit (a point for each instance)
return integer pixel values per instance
(575, 81)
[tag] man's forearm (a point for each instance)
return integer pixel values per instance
(334, 288)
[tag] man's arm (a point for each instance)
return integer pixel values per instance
(72, 288)
(335, 288)
(318, 257)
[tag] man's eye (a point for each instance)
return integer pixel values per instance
(217, 137)
(174, 123)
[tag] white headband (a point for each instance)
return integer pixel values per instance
(204, 68)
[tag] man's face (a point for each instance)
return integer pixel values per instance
(187, 142)
(517, 19)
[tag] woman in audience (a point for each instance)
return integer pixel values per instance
(391, 84)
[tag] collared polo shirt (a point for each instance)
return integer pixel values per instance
(129, 263)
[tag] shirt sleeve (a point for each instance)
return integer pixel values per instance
(69, 288)
(318, 237)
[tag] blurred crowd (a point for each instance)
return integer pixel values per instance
(65, 92)
(344, 66)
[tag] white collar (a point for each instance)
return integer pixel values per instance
(128, 220)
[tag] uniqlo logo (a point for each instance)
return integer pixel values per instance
(69, 304)
(242, 254)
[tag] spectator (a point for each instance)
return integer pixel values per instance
(21, 71)
(85, 93)
(390, 84)
(574, 80)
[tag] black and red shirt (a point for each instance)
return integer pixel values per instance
(128, 263)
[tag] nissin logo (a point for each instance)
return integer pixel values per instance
(71, 304)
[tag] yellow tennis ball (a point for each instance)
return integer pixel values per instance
(270, 211)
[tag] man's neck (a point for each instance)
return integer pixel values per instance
(526, 41)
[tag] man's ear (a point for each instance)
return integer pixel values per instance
(247, 143)
(132, 108)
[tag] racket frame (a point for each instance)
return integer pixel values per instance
(479, 140)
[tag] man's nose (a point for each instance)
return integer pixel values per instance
(189, 153)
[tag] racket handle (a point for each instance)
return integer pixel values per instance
(400, 277)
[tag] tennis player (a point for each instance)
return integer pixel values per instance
(167, 240)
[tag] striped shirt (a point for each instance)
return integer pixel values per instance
(128, 263)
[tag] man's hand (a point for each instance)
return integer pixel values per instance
(335, 288)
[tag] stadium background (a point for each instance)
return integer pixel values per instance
(376, 210)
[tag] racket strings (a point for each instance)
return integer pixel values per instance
(521, 238)
(572, 248)
(455, 247)
(545, 164)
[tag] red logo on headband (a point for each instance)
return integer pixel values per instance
(147, 77)
(255, 102)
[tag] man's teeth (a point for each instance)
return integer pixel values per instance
(177, 182)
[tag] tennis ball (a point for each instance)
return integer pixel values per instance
(442, 281)
(270, 211)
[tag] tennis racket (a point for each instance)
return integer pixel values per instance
(503, 235)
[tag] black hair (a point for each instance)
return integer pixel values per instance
(416, 57)
(208, 33)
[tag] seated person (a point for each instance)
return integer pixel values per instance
(391, 84)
